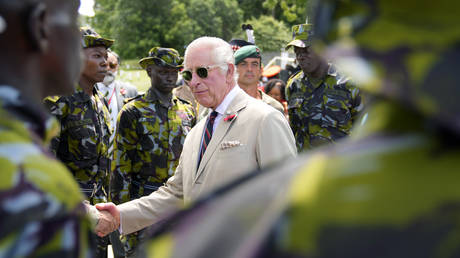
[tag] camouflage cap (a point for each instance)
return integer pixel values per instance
(245, 52)
(166, 57)
(301, 36)
(90, 38)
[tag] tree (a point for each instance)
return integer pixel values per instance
(290, 11)
(140, 25)
(103, 20)
(270, 34)
(252, 8)
(220, 18)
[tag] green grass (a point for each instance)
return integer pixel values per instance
(138, 78)
(131, 71)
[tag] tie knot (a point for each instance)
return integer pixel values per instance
(213, 115)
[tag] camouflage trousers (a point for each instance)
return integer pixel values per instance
(101, 247)
(95, 193)
(132, 243)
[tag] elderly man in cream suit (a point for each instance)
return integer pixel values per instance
(247, 134)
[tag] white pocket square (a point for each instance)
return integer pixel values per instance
(230, 144)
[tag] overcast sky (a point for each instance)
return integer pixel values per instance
(86, 7)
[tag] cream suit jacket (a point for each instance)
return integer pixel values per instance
(257, 136)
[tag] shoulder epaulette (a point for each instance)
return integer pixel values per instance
(52, 99)
(125, 101)
(183, 101)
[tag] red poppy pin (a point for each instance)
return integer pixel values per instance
(123, 91)
(229, 118)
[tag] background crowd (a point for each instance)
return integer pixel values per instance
(88, 160)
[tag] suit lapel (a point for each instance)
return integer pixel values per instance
(196, 144)
(238, 103)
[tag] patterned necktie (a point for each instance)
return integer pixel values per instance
(207, 134)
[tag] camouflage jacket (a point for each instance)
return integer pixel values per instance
(40, 205)
(321, 111)
(84, 140)
(148, 144)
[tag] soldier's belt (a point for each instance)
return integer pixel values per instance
(91, 188)
(149, 187)
(102, 163)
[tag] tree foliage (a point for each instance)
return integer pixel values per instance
(270, 34)
(140, 25)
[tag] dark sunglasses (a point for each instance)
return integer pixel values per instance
(202, 72)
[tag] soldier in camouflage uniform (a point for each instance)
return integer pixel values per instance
(85, 126)
(41, 210)
(322, 104)
(391, 190)
(150, 133)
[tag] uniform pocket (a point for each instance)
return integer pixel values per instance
(83, 138)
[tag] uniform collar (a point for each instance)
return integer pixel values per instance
(331, 71)
(81, 96)
(152, 95)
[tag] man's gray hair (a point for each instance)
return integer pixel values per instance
(116, 56)
(221, 51)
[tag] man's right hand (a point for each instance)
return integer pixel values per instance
(109, 219)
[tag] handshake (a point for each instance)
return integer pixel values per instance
(105, 218)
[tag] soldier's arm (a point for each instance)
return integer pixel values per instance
(357, 102)
(293, 117)
(126, 139)
(58, 108)
(43, 217)
(192, 114)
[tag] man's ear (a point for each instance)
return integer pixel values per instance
(149, 71)
(230, 72)
(38, 27)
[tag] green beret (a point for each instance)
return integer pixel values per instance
(301, 36)
(166, 57)
(90, 38)
(245, 52)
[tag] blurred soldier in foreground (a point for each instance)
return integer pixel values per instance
(41, 210)
(391, 190)
(85, 126)
(151, 133)
(322, 104)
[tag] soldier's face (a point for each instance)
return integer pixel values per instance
(63, 58)
(95, 65)
(308, 60)
(163, 78)
(249, 71)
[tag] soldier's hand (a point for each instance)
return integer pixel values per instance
(109, 219)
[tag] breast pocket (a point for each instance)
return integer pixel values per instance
(149, 134)
(337, 110)
(151, 155)
(82, 139)
(237, 159)
(295, 103)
